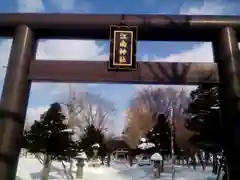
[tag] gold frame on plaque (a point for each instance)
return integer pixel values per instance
(132, 65)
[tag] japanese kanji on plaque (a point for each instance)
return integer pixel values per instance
(122, 48)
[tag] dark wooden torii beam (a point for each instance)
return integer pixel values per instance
(96, 26)
(146, 73)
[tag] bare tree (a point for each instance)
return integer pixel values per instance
(137, 122)
(97, 111)
(83, 109)
(73, 106)
(160, 100)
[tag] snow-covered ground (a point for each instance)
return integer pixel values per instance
(30, 169)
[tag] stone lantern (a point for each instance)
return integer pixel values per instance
(81, 157)
(95, 148)
(157, 163)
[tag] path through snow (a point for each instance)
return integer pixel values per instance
(30, 169)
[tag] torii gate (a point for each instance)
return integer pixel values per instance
(26, 29)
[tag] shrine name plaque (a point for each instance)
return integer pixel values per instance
(123, 42)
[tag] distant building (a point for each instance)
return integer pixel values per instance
(119, 148)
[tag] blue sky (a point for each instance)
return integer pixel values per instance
(43, 94)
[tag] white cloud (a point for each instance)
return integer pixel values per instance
(208, 7)
(72, 5)
(66, 50)
(63, 91)
(34, 113)
(28, 6)
(70, 50)
(198, 53)
(23, 6)
(53, 49)
(187, 89)
(64, 4)
(5, 46)
(89, 50)
(57, 50)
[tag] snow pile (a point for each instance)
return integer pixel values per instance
(156, 157)
(146, 145)
(81, 155)
(30, 169)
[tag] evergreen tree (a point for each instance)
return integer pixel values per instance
(204, 118)
(91, 136)
(51, 135)
(160, 135)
